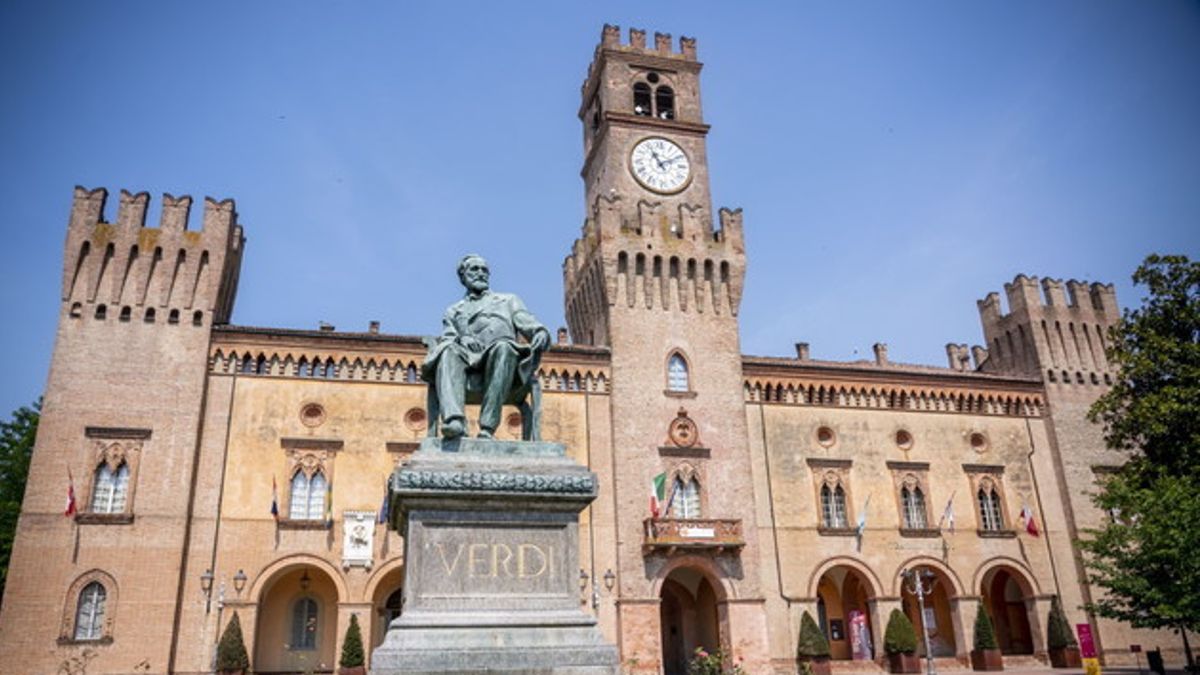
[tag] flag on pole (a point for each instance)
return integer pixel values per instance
(70, 508)
(274, 500)
(862, 518)
(658, 491)
(329, 505)
(1030, 522)
(383, 508)
(671, 499)
(948, 515)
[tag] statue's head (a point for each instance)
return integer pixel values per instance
(473, 272)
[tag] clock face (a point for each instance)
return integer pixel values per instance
(660, 165)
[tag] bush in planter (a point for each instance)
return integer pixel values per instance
(900, 644)
(1058, 630)
(985, 634)
(231, 651)
(352, 647)
(812, 643)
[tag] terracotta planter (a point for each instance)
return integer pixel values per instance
(231, 672)
(986, 659)
(903, 663)
(353, 670)
(820, 665)
(1067, 657)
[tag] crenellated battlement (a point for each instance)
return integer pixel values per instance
(1054, 329)
(170, 270)
(610, 38)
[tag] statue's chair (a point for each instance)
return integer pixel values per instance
(527, 398)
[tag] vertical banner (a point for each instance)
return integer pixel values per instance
(860, 636)
(1087, 649)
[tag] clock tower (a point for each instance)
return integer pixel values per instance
(657, 279)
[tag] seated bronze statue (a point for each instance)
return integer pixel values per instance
(488, 353)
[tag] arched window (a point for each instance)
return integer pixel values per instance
(664, 103)
(641, 99)
(307, 501)
(677, 373)
(304, 624)
(833, 506)
(686, 502)
(110, 488)
(89, 612)
(913, 502)
(990, 515)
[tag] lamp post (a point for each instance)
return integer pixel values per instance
(206, 581)
(916, 586)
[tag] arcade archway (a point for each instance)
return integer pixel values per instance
(297, 622)
(843, 594)
(1006, 595)
(687, 618)
(938, 616)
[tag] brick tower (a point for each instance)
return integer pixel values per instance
(653, 279)
(121, 420)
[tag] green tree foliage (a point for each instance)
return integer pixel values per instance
(811, 643)
(352, 646)
(985, 634)
(1144, 558)
(16, 448)
(231, 651)
(899, 638)
(1058, 630)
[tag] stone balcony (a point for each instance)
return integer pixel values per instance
(668, 535)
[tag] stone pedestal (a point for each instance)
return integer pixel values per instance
(491, 551)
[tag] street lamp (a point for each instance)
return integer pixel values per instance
(206, 581)
(304, 581)
(610, 580)
(239, 582)
(917, 579)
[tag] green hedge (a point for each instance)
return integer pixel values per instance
(899, 638)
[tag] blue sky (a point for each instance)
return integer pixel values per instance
(895, 161)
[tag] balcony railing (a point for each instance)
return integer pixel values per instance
(712, 534)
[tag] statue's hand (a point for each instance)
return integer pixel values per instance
(470, 343)
(540, 341)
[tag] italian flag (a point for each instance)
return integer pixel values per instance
(658, 492)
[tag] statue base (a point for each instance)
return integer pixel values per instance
(491, 550)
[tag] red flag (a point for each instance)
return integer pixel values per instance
(274, 499)
(1030, 522)
(70, 509)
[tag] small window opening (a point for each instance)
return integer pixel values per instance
(149, 318)
(652, 78)
(76, 310)
(677, 373)
(664, 102)
(126, 313)
(173, 317)
(198, 318)
(101, 312)
(641, 99)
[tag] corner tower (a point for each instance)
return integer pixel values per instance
(657, 278)
(121, 424)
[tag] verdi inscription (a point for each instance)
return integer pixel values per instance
(497, 561)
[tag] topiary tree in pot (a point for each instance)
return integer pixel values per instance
(1060, 639)
(353, 662)
(812, 649)
(231, 651)
(986, 654)
(900, 644)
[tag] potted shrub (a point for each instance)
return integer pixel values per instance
(900, 644)
(1060, 639)
(986, 654)
(812, 650)
(352, 662)
(231, 651)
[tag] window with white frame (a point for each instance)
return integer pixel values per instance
(89, 612)
(912, 502)
(833, 506)
(991, 516)
(110, 488)
(686, 503)
(307, 497)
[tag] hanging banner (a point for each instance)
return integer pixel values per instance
(860, 636)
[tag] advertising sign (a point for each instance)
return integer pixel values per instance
(1087, 646)
(860, 636)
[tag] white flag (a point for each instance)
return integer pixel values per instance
(948, 515)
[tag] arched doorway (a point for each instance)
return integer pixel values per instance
(687, 618)
(937, 616)
(297, 622)
(843, 594)
(1004, 595)
(387, 599)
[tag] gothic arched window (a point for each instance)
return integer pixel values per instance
(677, 373)
(641, 99)
(664, 103)
(89, 612)
(913, 502)
(304, 624)
(833, 506)
(307, 500)
(686, 503)
(990, 515)
(110, 488)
